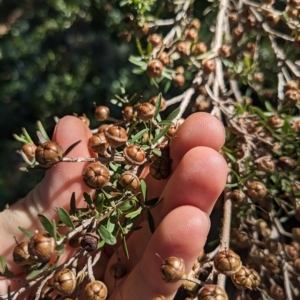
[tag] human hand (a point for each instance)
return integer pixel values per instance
(181, 219)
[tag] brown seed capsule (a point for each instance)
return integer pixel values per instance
(199, 48)
(272, 19)
(173, 269)
(21, 255)
(237, 33)
(212, 291)
(238, 197)
(98, 143)
(172, 131)
(129, 181)
(233, 18)
(182, 48)
(163, 102)
(225, 51)
(291, 252)
(191, 34)
(64, 282)
(277, 292)
(275, 122)
(164, 58)
(41, 247)
(296, 265)
(134, 155)
(154, 68)
(178, 80)
(95, 290)
(101, 113)
(84, 119)
(251, 21)
(195, 23)
(29, 150)
(273, 246)
(128, 113)
(74, 242)
(160, 169)
(256, 190)
(48, 154)
(118, 270)
(96, 175)
(246, 279)
(291, 85)
(259, 77)
(89, 241)
(145, 111)
(242, 240)
(142, 29)
(227, 262)
(270, 262)
(292, 97)
(155, 40)
(265, 164)
(296, 234)
(116, 136)
(208, 66)
(102, 128)
(287, 162)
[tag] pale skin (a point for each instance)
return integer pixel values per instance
(198, 177)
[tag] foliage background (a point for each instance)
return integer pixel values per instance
(56, 58)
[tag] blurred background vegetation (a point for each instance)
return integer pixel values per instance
(56, 58)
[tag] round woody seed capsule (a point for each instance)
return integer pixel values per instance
(84, 119)
(227, 262)
(163, 102)
(134, 155)
(98, 143)
(164, 58)
(212, 291)
(146, 111)
(277, 292)
(48, 154)
(96, 175)
(173, 269)
(155, 40)
(89, 242)
(101, 113)
(160, 169)
(116, 136)
(95, 290)
(238, 197)
(154, 68)
(21, 255)
(41, 247)
(29, 150)
(118, 270)
(256, 190)
(129, 181)
(128, 113)
(246, 279)
(64, 282)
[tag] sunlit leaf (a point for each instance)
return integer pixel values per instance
(26, 232)
(173, 114)
(124, 245)
(138, 135)
(143, 186)
(34, 273)
(161, 134)
(134, 213)
(157, 105)
(106, 235)
(65, 217)
(47, 224)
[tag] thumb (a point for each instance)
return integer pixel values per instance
(53, 191)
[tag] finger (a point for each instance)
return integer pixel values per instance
(182, 233)
(53, 191)
(199, 129)
(190, 184)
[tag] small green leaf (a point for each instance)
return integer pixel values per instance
(231, 157)
(138, 61)
(37, 272)
(173, 114)
(47, 224)
(150, 221)
(107, 236)
(138, 135)
(111, 223)
(157, 106)
(152, 202)
(3, 263)
(26, 135)
(135, 213)
(87, 198)
(73, 204)
(124, 245)
(161, 134)
(143, 189)
(157, 152)
(165, 122)
(26, 232)
(65, 217)
(42, 130)
(269, 106)
(70, 148)
(99, 203)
